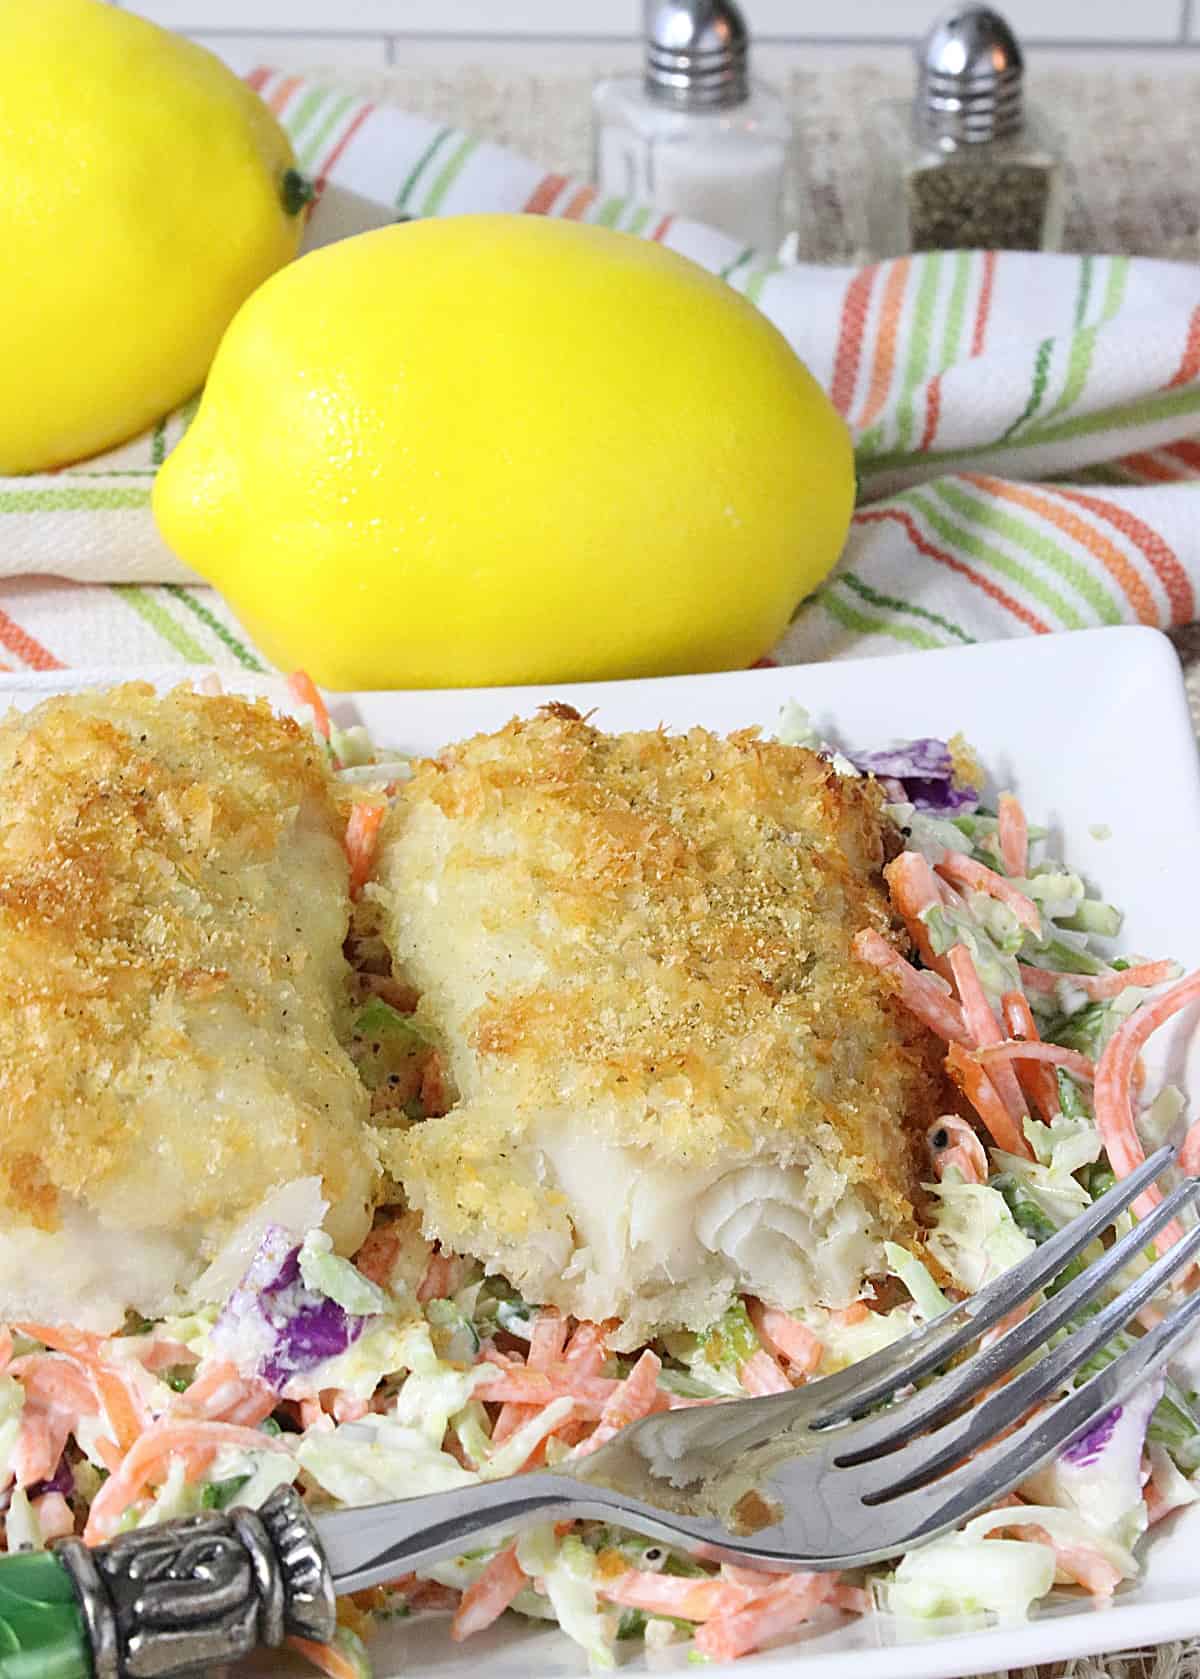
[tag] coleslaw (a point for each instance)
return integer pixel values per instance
(411, 1371)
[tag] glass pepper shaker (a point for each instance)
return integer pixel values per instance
(969, 164)
(692, 134)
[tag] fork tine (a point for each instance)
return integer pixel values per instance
(974, 1430)
(1008, 1462)
(896, 1426)
(863, 1385)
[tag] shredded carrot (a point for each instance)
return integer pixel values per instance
(313, 1415)
(1038, 1081)
(635, 1397)
(914, 891)
(60, 1388)
(431, 1594)
(40, 1444)
(587, 1350)
(55, 1516)
(6, 1347)
(123, 1405)
(1097, 987)
(985, 1029)
(979, 1090)
(1018, 1049)
(762, 1579)
(490, 1353)
(221, 1394)
(539, 1387)
(378, 1254)
(762, 1374)
(856, 1312)
(487, 1599)
(326, 1658)
(211, 1384)
(195, 1442)
(964, 1149)
(547, 1339)
(916, 991)
(362, 834)
(1010, 1320)
(80, 1343)
(981, 1022)
(347, 1407)
(443, 1275)
(56, 1382)
(1074, 1559)
(796, 1347)
(1014, 836)
(1113, 1100)
(687, 1599)
(121, 1400)
(165, 1355)
(304, 689)
(1189, 1153)
(787, 1604)
(512, 1417)
(109, 1454)
(1161, 1500)
(965, 871)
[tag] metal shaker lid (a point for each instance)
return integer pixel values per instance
(697, 53)
(970, 82)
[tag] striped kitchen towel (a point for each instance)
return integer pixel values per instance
(1028, 427)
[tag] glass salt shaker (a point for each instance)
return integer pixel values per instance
(692, 134)
(968, 165)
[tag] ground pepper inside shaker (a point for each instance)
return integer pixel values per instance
(996, 209)
(977, 168)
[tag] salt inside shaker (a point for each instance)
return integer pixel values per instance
(969, 164)
(692, 134)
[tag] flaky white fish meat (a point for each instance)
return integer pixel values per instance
(173, 996)
(673, 1079)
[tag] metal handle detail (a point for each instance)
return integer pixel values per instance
(199, 1591)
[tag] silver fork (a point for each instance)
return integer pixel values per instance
(827, 1477)
(823, 1477)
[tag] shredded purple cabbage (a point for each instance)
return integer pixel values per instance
(1088, 1448)
(62, 1481)
(1099, 1476)
(920, 773)
(275, 1327)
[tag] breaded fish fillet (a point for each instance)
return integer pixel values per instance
(674, 1080)
(173, 995)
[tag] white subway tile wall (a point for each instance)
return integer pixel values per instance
(369, 32)
(244, 50)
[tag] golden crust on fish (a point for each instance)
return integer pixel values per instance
(674, 1079)
(173, 992)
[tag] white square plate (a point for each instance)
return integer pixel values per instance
(1092, 730)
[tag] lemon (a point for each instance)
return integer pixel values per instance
(502, 449)
(141, 205)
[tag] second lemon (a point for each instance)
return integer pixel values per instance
(505, 449)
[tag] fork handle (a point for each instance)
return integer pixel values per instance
(371, 1545)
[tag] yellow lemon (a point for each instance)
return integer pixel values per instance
(143, 199)
(505, 449)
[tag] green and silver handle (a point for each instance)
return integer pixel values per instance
(179, 1598)
(196, 1593)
